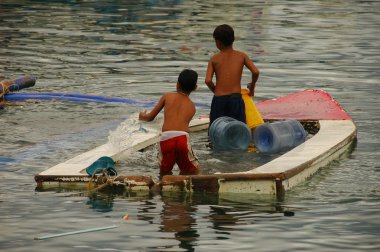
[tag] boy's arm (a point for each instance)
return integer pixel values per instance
(209, 74)
(144, 116)
(255, 74)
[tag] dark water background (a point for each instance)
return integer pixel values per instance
(136, 49)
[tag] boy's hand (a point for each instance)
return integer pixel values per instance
(251, 89)
(142, 115)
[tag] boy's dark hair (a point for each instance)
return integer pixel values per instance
(187, 79)
(225, 34)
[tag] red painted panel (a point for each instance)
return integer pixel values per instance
(304, 105)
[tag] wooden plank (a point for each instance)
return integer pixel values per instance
(330, 135)
(76, 166)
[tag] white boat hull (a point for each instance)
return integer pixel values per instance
(333, 138)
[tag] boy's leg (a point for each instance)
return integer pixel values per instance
(185, 158)
(218, 105)
(168, 156)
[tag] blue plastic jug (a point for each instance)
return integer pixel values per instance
(279, 136)
(227, 133)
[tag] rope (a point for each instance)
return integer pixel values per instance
(110, 181)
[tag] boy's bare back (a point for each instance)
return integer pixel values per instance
(178, 112)
(228, 67)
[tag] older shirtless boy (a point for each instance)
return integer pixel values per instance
(228, 67)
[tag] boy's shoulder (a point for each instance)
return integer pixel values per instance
(240, 53)
(175, 98)
(169, 94)
(175, 95)
(232, 52)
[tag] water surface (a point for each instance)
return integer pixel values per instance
(136, 49)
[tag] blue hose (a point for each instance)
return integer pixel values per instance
(74, 98)
(81, 98)
(28, 81)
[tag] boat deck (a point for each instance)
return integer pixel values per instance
(336, 134)
(283, 173)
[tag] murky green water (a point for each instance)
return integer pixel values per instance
(135, 49)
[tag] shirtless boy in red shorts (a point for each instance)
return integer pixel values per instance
(228, 67)
(178, 112)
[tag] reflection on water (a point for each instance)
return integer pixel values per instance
(181, 215)
(136, 49)
(102, 203)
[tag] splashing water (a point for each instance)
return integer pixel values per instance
(131, 131)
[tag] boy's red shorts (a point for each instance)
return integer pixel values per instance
(177, 150)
